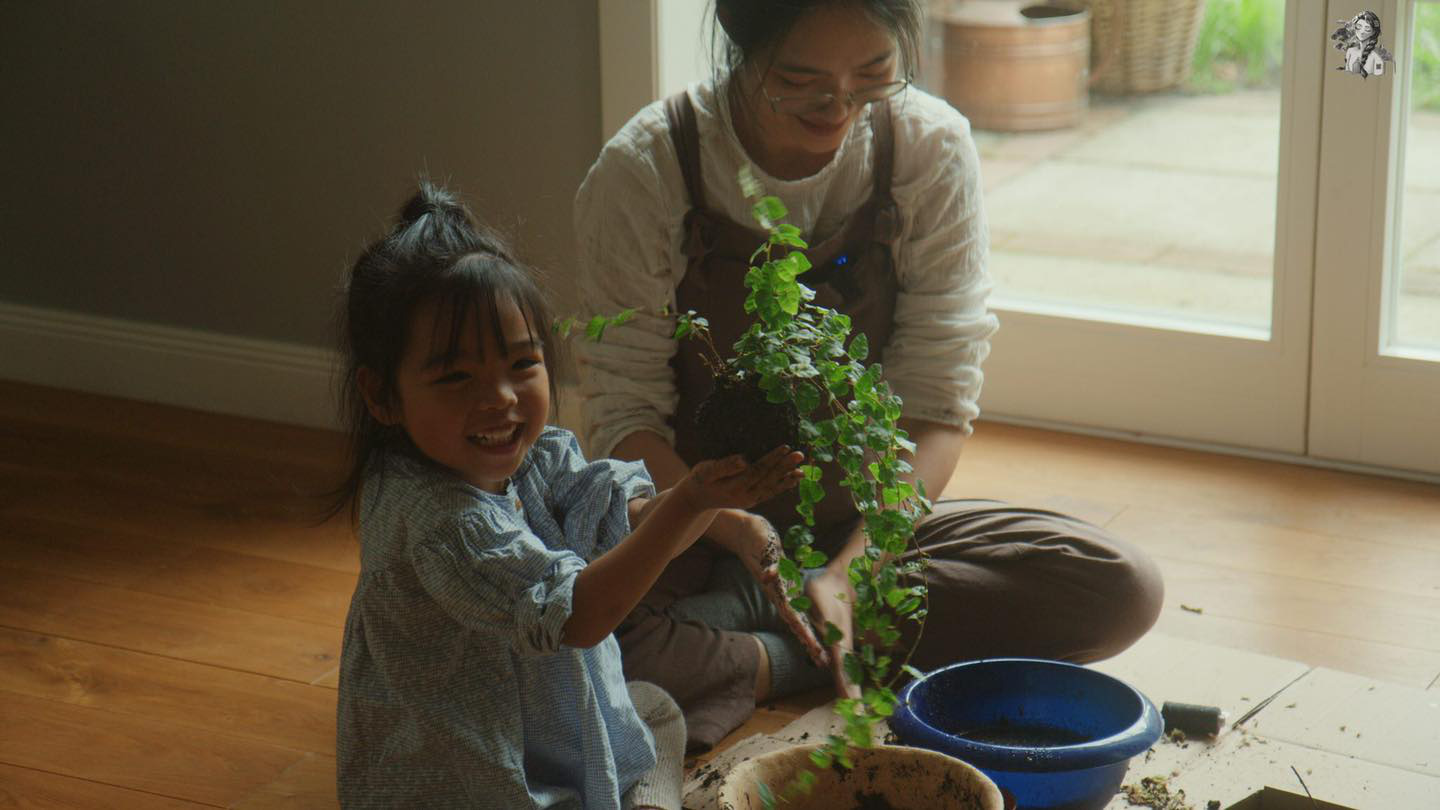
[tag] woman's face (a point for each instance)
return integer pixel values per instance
(1363, 30)
(835, 49)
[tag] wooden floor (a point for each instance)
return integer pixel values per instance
(170, 625)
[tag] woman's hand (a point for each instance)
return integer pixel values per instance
(732, 483)
(832, 597)
(760, 552)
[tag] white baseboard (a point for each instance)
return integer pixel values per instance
(293, 384)
(260, 379)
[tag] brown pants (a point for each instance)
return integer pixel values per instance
(1003, 581)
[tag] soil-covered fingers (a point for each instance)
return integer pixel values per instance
(782, 459)
(830, 607)
(777, 471)
(763, 557)
(716, 470)
(799, 625)
(709, 484)
(843, 687)
(730, 482)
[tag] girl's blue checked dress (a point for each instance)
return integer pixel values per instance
(455, 688)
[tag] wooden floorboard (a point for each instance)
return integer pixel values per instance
(166, 568)
(182, 693)
(1372, 613)
(1392, 663)
(169, 426)
(1400, 569)
(42, 790)
(260, 528)
(138, 753)
(307, 784)
(1200, 485)
(160, 625)
(171, 610)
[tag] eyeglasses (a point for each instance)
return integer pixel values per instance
(804, 105)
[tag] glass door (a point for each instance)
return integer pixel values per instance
(1245, 254)
(1376, 366)
(1153, 261)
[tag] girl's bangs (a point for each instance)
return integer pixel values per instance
(474, 287)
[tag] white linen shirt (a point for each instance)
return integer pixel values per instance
(456, 689)
(629, 216)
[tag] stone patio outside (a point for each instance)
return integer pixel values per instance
(1165, 205)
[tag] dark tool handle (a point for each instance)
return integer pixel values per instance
(1193, 719)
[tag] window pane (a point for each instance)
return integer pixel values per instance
(1416, 318)
(1158, 203)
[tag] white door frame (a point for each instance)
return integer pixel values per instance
(1371, 404)
(1233, 388)
(648, 50)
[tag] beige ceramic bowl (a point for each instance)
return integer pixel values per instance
(906, 778)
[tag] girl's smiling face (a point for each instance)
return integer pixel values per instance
(835, 49)
(479, 411)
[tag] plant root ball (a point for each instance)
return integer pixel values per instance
(736, 418)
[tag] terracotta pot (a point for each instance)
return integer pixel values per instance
(1014, 65)
(907, 778)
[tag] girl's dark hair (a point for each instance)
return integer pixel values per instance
(437, 252)
(750, 29)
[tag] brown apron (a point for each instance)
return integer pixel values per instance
(1002, 580)
(851, 271)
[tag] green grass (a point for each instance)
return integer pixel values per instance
(1240, 44)
(1425, 84)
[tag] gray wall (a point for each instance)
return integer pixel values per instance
(215, 165)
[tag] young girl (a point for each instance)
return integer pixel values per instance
(478, 667)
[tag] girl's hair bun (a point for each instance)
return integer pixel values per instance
(433, 200)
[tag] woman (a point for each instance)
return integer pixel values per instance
(884, 181)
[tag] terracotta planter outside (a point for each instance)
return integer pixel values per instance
(907, 778)
(1017, 66)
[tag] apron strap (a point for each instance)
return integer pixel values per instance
(880, 126)
(685, 134)
(886, 228)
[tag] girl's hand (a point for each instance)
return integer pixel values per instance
(763, 561)
(732, 483)
(832, 596)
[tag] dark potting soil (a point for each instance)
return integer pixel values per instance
(736, 418)
(951, 793)
(872, 801)
(1024, 736)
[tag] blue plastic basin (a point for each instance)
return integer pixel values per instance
(1055, 735)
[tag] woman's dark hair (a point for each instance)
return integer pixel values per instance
(436, 253)
(750, 29)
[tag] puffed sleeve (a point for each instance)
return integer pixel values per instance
(627, 236)
(498, 577)
(591, 496)
(942, 328)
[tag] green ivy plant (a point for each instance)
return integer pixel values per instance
(807, 356)
(596, 326)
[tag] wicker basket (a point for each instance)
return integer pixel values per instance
(1140, 46)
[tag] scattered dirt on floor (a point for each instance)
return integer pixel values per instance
(1154, 792)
